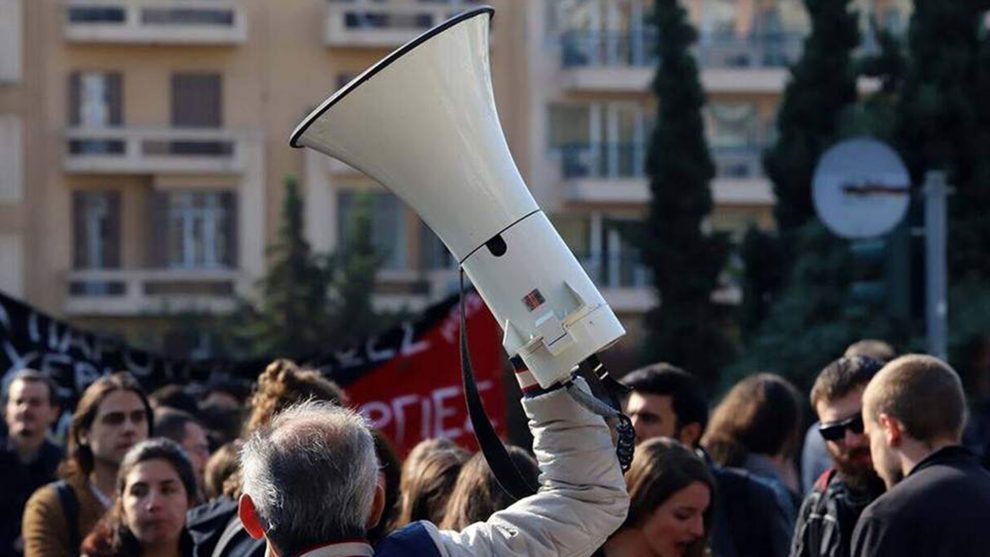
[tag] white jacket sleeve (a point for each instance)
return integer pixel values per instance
(582, 497)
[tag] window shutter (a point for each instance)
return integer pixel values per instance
(115, 98)
(79, 230)
(111, 245)
(231, 238)
(158, 255)
(75, 94)
(196, 100)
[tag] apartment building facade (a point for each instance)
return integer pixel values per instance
(143, 142)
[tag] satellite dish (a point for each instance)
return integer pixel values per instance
(861, 188)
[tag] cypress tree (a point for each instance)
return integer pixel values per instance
(822, 85)
(686, 261)
(357, 265)
(292, 314)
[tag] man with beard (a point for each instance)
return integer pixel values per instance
(830, 511)
(938, 496)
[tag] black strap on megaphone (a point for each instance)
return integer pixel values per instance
(506, 474)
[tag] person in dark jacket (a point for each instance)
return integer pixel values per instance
(938, 497)
(666, 401)
(27, 459)
(829, 513)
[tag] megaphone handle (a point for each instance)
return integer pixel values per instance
(506, 474)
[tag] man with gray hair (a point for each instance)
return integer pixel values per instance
(311, 488)
(938, 497)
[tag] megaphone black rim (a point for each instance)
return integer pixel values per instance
(381, 65)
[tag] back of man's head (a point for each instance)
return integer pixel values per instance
(687, 396)
(311, 474)
(923, 393)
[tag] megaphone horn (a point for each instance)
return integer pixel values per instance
(423, 123)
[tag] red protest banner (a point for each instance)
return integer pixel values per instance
(417, 394)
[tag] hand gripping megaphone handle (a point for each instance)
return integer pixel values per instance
(506, 474)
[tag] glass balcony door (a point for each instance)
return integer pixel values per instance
(600, 140)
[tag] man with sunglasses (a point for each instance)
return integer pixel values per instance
(830, 511)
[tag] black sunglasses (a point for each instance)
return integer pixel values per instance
(834, 431)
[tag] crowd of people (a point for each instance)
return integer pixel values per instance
(289, 468)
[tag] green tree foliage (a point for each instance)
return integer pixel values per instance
(292, 315)
(811, 322)
(762, 276)
(801, 310)
(308, 303)
(822, 84)
(945, 123)
(685, 260)
(357, 266)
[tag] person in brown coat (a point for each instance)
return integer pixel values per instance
(113, 415)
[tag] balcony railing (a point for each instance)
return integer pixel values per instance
(744, 161)
(156, 21)
(385, 24)
(590, 49)
(150, 291)
(769, 50)
(144, 150)
(602, 48)
(628, 160)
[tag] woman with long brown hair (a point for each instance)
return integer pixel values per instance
(477, 494)
(156, 485)
(757, 427)
(670, 508)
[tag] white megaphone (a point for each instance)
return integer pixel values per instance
(422, 122)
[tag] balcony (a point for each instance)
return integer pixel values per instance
(123, 292)
(179, 22)
(127, 150)
(385, 24)
(604, 172)
(615, 173)
(621, 62)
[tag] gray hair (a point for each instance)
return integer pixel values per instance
(311, 474)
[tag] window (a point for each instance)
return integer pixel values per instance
(733, 124)
(433, 253)
(96, 229)
(11, 158)
(11, 41)
(388, 227)
(197, 101)
(602, 140)
(79, 14)
(200, 229)
(95, 101)
(734, 136)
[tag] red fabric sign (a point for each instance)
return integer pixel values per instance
(418, 394)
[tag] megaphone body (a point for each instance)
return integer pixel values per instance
(422, 122)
